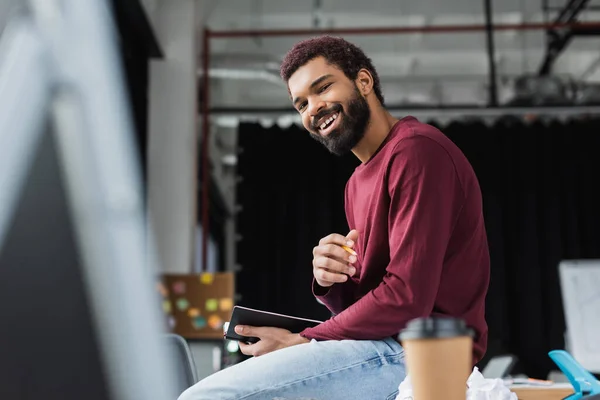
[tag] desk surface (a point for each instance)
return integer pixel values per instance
(555, 392)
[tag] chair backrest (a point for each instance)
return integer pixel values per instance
(186, 372)
(499, 366)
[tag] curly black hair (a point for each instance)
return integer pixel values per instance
(337, 51)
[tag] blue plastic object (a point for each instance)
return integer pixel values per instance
(584, 383)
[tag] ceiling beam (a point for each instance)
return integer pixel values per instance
(559, 38)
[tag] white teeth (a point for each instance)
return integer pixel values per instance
(328, 120)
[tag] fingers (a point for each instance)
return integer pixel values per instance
(249, 331)
(328, 271)
(271, 339)
(254, 350)
(261, 332)
(335, 260)
(352, 235)
(340, 240)
(248, 349)
(335, 240)
(329, 278)
(334, 251)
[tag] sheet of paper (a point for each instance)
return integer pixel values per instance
(580, 285)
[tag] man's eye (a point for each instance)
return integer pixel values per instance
(324, 87)
(302, 106)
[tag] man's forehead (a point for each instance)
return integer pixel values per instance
(309, 72)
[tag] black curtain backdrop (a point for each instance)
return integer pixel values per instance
(541, 206)
(291, 193)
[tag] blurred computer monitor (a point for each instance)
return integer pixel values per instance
(79, 318)
(580, 286)
(48, 344)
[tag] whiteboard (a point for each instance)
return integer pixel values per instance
(580, 286)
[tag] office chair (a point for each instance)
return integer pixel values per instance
(186, 373)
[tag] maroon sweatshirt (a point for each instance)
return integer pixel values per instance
(422, 246)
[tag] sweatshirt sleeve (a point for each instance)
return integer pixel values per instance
(337, 297)
(425, 199)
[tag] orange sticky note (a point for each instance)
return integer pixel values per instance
(215, 322)
(225, 304)
(193, 312)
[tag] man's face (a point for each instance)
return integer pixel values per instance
(333, 110)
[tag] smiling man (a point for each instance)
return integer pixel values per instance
(418, 244)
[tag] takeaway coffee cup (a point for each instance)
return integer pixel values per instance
(438, 354)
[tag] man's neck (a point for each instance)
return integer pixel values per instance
(380, 125)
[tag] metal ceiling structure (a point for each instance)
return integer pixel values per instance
(419, 64)
(557, 38)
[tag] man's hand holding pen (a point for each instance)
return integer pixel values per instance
(333, 259)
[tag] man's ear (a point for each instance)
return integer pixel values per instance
(364, 82)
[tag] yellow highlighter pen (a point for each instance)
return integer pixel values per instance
(349, 250)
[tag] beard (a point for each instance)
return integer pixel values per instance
(351, 130)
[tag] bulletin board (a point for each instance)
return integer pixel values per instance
(196, 306)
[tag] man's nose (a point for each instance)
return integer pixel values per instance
(315, 107)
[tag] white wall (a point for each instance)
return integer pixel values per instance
(150, 6)
(172, 143)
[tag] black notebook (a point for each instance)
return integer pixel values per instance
(251, 317)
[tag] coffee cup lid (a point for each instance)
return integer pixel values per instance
(435, 327)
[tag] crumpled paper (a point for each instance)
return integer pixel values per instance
(478, 388)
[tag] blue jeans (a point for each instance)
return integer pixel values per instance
(327, 370)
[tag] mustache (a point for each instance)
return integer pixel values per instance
(336, 108)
